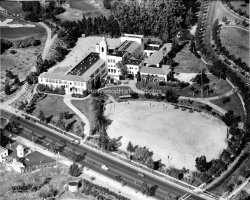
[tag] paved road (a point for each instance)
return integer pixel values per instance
(128, 172)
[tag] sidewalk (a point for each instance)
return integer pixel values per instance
(100, 179)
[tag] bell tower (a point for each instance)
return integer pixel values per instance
(103, 49)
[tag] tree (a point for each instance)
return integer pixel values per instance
(224, 19)
(170, 96)
(225, 100)
(123, 68)
(41, 116)
(7, 89)
(130, 147)
(201, 164)
(17, 81)
(76, 157)
(74, 170)
(230, 119)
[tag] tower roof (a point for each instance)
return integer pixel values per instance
(104, 40)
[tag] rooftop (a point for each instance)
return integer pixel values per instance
(85, 64)
(65, 77)
(157, 56)
(118, 53)
(132, 35)
(132, 61)
(129, 46)
(2, 149)
(164, 70)
(152, 48)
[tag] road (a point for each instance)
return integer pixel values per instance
(127, 172)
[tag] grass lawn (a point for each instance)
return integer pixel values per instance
(238, 4)
(22, 32)
(81, 5)
(53, 105)
(86, 107)
(217, 87)
(188, 63)
(234, 104)
(14, 7)
(237, 42)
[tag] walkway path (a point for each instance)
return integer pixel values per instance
(228, 26)
(67, 100)
(49, 40)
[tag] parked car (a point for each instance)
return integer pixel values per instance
(63, 142)
(141, 174)
(105, 167)
(75, 142)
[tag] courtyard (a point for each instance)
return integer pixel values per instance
(175, 136)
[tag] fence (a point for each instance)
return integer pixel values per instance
(39, 166)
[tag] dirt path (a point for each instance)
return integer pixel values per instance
(49, 40)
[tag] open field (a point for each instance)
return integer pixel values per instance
(238, 4)
(14, 7)
(236, 41)
(77, 8)
(188, 63)
(52, 106)
(20, 63)
(179, 134)
(216, 87)
(234, 104)
(22, 32)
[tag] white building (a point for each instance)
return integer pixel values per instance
(82, 77)
(17, 166)
(3, 154)
(134, 65)
(20, 151)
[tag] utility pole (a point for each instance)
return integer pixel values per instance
(201, 85)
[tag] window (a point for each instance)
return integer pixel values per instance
(108, 70)
(113, 60)
(111, 70)
(114, 71)
(46, 80)
(60, 81)
(102, 49)
(82, 84)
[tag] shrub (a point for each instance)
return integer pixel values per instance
(74, 170)
(13, 51)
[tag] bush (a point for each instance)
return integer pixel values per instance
(74, 170)
(13, 51)
(26, 42)
(5, 44)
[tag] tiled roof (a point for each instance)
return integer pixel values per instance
(157, 57)
(164, 70)
(129, 46)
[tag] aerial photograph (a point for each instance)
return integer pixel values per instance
(124, 100)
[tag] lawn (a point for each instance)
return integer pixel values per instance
(167, 131)
(81, 5)
(234, 104)
(22, 32)
(188, 63)
(86, 107)
(52, 106)
(216, 87)
(237, 42)
(14, 7)
(238, 4)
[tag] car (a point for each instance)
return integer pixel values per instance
(62, 142)
(141, 174)
(105, 167)
(75, 142)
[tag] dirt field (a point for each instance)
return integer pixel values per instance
(167, 132)
(236, 41)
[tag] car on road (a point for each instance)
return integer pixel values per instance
(105, 167)
(75, 142)
(141, 174)
(63, 142)
(227, 61)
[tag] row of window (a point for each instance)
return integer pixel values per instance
(112, 70)
(111, 60)
(48, 80)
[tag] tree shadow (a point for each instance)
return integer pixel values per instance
(70, 125)
(153, 190)
(49, 119)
